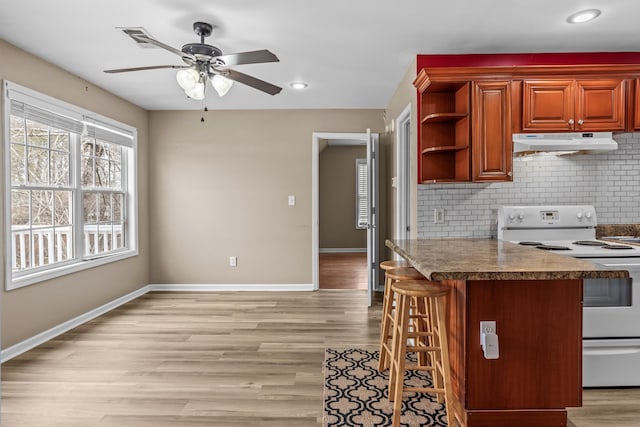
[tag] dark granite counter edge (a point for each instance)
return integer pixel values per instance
(527, 275)
(507, 275)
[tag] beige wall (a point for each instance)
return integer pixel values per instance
(338, 197)
(33, 309)
(404, 95)
(220, 188)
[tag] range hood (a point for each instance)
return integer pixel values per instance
(589, 142)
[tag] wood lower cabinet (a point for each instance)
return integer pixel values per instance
(538, 373)
(561, 105)
(491, 131)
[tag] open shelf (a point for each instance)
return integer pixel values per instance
(445, 133)
(443, 181)
(444, 117)
(445, 148)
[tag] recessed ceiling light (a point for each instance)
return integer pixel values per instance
(299, 85)
(583, 16)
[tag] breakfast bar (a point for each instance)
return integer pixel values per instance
(535, 299)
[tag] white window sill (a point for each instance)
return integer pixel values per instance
(41, 276)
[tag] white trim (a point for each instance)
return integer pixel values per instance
(36, 340)
(232, 287)
(63, 270)
(315, 193)
(341, 250)
(403, 166)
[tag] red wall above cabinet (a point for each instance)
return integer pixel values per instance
(511, 59)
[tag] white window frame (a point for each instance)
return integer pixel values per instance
(130, 212)
(361, 165)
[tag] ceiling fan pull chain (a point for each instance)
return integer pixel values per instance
(205, 109)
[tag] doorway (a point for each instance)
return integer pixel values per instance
(351, 258)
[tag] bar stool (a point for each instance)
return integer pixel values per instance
(391, 276)
(431, 295)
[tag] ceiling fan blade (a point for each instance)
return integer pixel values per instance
(165, 46)
(253, 57)
(152, 67)
(252, 81)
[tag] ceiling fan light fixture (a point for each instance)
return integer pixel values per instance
(197, 92)
(187, 79)
(221, 84)
(583, 16)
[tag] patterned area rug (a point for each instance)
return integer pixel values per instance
(355, 393)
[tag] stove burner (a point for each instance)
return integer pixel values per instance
(589, 243)
(530, 243)
(553, 248)
(616, 247)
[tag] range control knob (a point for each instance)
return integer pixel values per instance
(579, 215)
(588, 215)
(520, 217)
(511, 217)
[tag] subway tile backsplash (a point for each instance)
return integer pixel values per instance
(609, 181)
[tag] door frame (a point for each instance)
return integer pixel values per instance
(315, 194)
(403, 174)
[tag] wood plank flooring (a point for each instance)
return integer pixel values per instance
(212, 359)
(343, 270)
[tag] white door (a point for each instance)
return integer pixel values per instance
(373, 257)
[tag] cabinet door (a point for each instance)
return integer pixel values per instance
(600, 105)
(548, 105)
(491, 141)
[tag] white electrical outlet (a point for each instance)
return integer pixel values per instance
(233, 261)
(438, 216)
(487, 327)
(292, 200)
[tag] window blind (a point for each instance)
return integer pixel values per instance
(362, 193)
(49, 118)
(37, 107)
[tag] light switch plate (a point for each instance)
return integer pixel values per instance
(292, 200)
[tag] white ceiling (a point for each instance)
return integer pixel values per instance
(352, 53)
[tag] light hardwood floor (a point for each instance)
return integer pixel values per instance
(212, 359)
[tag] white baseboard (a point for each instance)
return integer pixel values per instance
(26, 345)
(341, 250)
(232, 287)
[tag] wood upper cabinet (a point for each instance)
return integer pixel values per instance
(491, 131)
(444, 146)
(636, 105)
(465, 130)
(468, 114)
(573, 105)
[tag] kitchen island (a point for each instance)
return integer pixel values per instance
(535, 298)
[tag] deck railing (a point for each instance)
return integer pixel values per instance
(39, 247)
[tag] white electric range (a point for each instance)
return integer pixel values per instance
(611, 317)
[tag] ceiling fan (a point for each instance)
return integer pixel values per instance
(206, 62)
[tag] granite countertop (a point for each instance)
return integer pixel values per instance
(489, 259)
(605, 230)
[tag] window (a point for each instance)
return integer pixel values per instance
(362, 193)
(70, 192)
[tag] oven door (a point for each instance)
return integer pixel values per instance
(612, 306)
